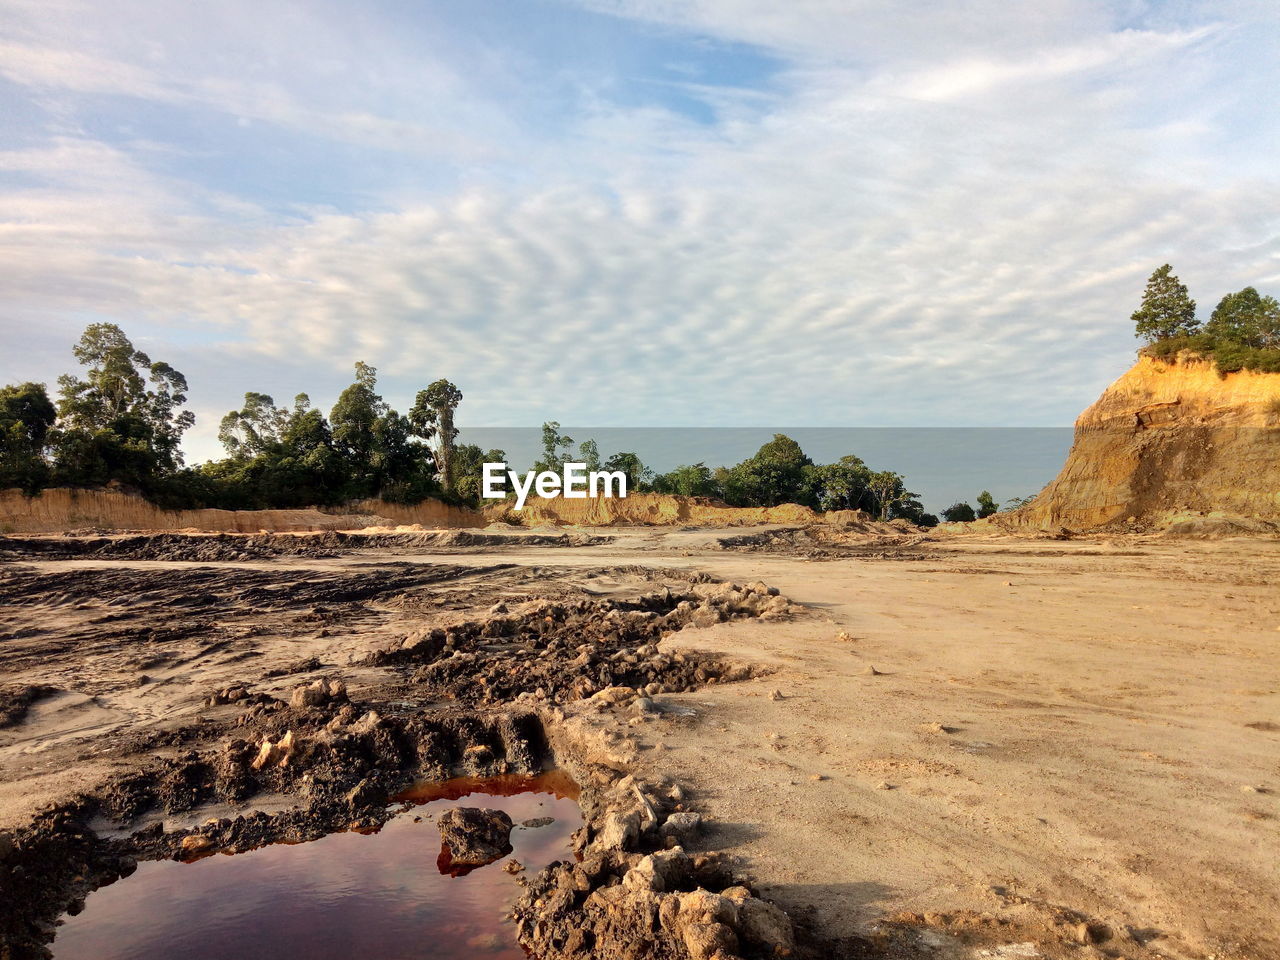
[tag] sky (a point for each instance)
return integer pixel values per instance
(633, 212)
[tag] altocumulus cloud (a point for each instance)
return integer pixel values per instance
(796, 214)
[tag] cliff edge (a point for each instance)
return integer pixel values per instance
(1169, 440)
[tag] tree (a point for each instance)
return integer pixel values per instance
(112, 426)
(433, 416)
(555, 448)
(638, 475)
(1246, 318)
(959, 513)
(986, 504)
(843, 485)
(26, 417)
(378, 447)
(469, 461)
(775, 475)
(691, 480)
(1166, 310)
(892, 498)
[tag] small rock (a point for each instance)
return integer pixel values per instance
(194, 843)
(513, 867)
(871, 671)
(776, 694)
(682, 827)
(474, 836)
(819, 776)
(535, 822)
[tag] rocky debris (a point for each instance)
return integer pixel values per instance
(560, 652)
(16, 699)
(895, 540)
(318, 693)
(474, 836)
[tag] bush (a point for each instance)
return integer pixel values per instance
(959, 513)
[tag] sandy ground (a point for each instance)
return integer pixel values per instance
(963, 728)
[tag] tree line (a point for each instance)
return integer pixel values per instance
(1242, 333)
(121, 420)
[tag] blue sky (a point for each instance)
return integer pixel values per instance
(633, 212)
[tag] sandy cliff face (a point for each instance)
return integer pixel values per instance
(1168, 439)
(60, 510)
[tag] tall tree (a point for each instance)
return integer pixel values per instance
(1247, 318)
(1167, 310)
(987, 504)
(26, 417)
(433, 416)
(112, 425)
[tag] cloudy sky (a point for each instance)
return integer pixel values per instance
(633, 212)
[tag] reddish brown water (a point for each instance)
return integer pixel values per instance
(378, 896)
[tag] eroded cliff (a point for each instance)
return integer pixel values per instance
(1168, 441)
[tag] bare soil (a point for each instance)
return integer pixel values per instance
(1006, 745)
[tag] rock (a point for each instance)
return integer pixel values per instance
(513, 867)
(618, 831)
(317, 694)
(499, 607)
(194, 843)
(366, 793)
(705, 940)
(871, 671)
(682, 827)
(274, 754)
(474, 836)
(764, 925)
(534, 823)
(1086, 932)
(776, 695)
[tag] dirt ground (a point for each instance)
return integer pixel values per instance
(993, 741)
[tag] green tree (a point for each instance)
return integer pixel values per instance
(112, 425)
(891, 497)
(959, 513)
(469, 461)
(378, 448)
(986, 504)
(843, 485)
(1247, 318)
(26, 417)
(776, 474)
(1166, 310)
(639, 477)
(556, 448)
(432, 416)
(688, 480)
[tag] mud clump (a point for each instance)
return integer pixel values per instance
(472, 837)
(562, 652)
(14, 701)
(895, 540)
(636, 893)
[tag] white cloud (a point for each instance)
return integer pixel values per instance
(919, 221)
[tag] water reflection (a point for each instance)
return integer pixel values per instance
(378, 896)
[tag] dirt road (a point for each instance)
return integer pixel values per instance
(1073, 743)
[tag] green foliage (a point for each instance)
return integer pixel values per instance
(638, 475)
(468, 464)
(112, 425)
(556, 448)
(1242, 334)
(1248, 319)
(690, 480)
(433, 416)
(986, 504)
(26, 417)
(959, 513)
(1166, 310)
(776, 474)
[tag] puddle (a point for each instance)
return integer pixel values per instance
(378, 895)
